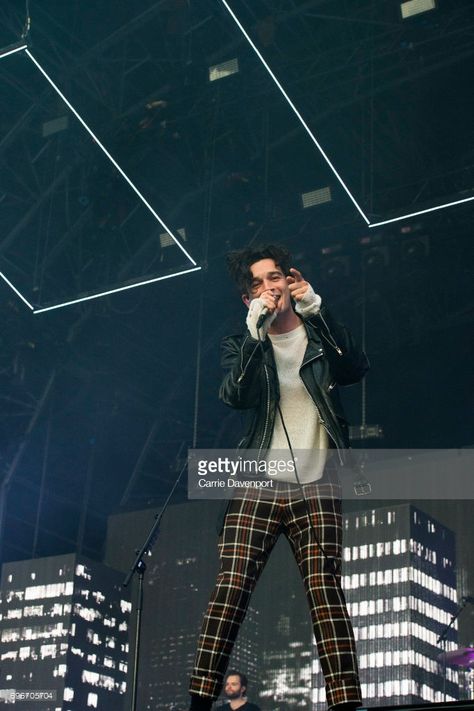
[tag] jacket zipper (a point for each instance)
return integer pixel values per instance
(242, 368)
(323, 422)
(267, 413)
(240, 378)
(330, 340)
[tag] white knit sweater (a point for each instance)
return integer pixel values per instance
(308, 437)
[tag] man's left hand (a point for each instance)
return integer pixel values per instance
(297, 285)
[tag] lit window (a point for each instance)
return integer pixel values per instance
(125, 606)
(48, 650)
(92, 700)
(24, 652)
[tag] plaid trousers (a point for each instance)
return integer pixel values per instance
(252, 526)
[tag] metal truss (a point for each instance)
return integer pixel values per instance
(126, 49)
(21, 47)
(230, 138)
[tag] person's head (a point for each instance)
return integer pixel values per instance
(235, 686)
(240, 262)
(260, 268)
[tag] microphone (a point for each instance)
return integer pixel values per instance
(265, 313)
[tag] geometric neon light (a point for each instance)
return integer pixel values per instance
(89, 297)
(23, 47)
(12, 286)
(116, 290)
(294, 109)
(421, 212)
(11, 49)
(316, 142)
(112, 160)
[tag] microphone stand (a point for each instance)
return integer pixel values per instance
(442, 639)
(139, 567)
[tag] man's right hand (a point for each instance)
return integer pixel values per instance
(270, 300)
(265, 300)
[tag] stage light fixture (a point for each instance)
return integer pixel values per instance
(375, 258)
(55, 126)
(415, 249)
(316, 197)
(294, 109)
(416, 7)
(335, 268)
(166, 241)
(225, 69)
(421, 212)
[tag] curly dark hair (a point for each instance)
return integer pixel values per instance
(242, 677)
(240, 261)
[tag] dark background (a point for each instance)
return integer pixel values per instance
(100, 400)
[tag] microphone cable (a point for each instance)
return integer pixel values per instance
(330, 564)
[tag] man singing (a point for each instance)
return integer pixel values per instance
(285, 369)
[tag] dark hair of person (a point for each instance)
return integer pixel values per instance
(240, 261)
(242, 677)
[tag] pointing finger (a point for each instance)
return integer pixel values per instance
(296, 274)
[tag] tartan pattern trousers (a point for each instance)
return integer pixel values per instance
(252, 526)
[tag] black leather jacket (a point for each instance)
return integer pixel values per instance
(251, 383)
